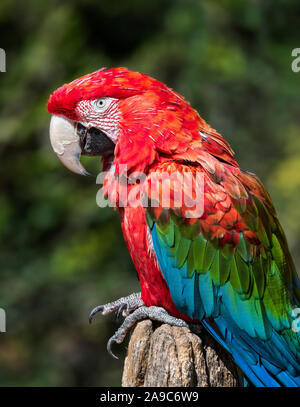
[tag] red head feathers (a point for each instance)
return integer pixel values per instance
(145, 119)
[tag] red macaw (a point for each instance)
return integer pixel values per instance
(229, 267)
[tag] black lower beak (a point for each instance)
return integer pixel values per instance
(94, 142)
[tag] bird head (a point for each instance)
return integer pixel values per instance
(126, 118)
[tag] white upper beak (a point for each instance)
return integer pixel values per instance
(66, 143)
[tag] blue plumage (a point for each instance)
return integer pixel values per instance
(240, 326)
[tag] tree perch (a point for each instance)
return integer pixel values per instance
(166, 356)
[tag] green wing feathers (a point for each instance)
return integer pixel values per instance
(240, 248)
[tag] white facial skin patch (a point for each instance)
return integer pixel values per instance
(102, 114)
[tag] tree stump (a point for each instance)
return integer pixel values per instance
(169, 356)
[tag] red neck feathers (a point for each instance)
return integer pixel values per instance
(157, 124)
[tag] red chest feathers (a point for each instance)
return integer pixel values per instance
(154, 290)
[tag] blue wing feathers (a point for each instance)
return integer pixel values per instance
(265, 356)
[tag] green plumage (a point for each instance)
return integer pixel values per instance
(256, 286)
(243, 278)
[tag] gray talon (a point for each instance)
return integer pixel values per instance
(124, 305)
(122, 308)
(133, 310)
(108, 347)
(155, 313)
(97, 309)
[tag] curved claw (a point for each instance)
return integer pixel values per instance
(120, 310)
(97, 309)
(110, 342)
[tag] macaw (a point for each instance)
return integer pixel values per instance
(227, 267)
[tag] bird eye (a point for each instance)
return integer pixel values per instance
(101, 103)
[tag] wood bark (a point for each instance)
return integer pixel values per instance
(169, 356)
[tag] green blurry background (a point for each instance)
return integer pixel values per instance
(60, 255)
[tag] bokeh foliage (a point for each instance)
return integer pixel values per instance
(60, 254)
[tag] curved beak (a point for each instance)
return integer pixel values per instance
(66, 143)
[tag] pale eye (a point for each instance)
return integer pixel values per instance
(101, 104)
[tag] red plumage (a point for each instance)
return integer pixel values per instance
(159, 131)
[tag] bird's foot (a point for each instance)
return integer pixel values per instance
(155, 313)
(124, 306)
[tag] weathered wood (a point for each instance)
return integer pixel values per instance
(165, 356)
